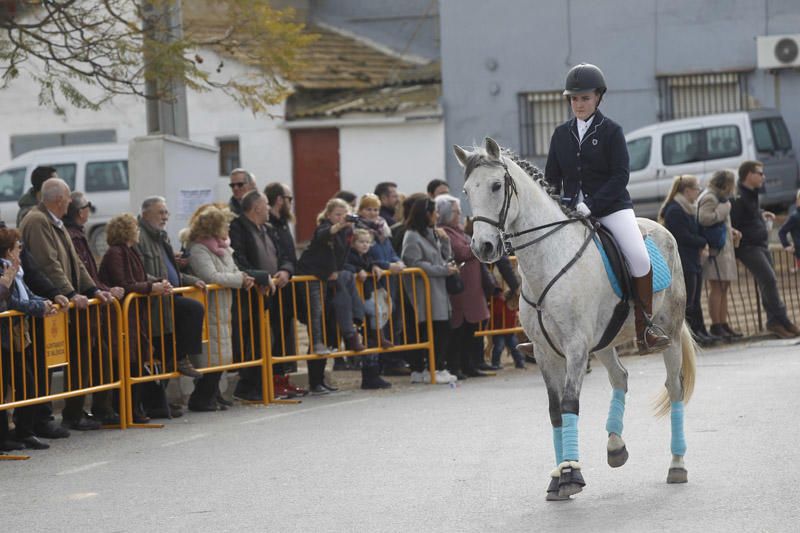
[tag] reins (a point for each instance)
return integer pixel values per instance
(508, 248)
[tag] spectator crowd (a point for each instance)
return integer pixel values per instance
(359, 296)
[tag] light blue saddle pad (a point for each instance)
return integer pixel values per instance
(662, 277)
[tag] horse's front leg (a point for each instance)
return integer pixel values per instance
(571, 481)
(618, 376)
(553, 371)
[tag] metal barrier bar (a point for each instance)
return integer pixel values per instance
(405, 343)
(27, 362)
(219, 354)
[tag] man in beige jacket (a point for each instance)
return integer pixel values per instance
(46, 238)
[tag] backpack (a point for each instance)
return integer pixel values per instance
(715, 235)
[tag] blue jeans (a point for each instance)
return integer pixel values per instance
(509, 341)
(346, 305)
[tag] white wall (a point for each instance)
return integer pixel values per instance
(408, 154)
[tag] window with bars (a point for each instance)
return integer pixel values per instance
(690, 95)
(228, 156)
(539, 114)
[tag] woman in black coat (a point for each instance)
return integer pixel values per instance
(679, 216)
(588, 164)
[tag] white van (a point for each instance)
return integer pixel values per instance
(704, 144)
(98, 170)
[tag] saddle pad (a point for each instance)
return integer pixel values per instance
(662, 277)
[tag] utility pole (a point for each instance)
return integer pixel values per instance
(166, 105)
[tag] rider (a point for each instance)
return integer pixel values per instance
(588, 164)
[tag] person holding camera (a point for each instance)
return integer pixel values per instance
(325, 258)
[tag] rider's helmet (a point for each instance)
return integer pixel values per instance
(583, 78)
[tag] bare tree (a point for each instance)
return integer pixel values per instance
(84, 52)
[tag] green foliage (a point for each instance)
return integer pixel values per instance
(82, 53)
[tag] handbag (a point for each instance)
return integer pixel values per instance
(715, 235)
(376, 307)
(454, 284)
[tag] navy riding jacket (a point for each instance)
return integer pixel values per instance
(685, 229)
(597, 166)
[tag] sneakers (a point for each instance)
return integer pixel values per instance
(321, 349)
(780, 331)
(421, 377)
(443, 377)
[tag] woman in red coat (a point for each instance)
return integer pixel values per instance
(469, 307)
(122, 267)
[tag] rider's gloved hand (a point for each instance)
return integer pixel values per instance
(583, 210)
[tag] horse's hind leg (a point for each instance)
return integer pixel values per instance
(618, 376)
(674, 358)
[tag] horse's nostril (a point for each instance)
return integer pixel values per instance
(487, 248)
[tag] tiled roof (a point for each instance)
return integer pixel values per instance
(385, 100)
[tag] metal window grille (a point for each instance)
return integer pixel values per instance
(228, 156)
(690, 95)
(539, 114)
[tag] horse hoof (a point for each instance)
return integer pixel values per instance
(571, 482)
(677, 475)
(617, 458)
(552, 491)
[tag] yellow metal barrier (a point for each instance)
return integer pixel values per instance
(83, 344)
(150, 358)
(405, 339)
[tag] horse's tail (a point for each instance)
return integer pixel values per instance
(688, 370)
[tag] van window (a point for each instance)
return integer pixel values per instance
(66, 171)
(781, 135)
(12, 182)
(682, 147)
(723, 141)
(639, 153)
(762, 136)
(107, 176)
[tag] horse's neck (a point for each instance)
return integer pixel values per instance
(541, 261)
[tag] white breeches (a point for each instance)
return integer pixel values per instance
(622, 225)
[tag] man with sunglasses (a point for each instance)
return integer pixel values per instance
(242, 182)
(753, 251)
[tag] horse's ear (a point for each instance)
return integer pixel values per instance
(461, 155)
(492, 148)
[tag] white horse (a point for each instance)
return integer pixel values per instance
(577, 305)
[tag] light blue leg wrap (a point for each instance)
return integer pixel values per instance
(557, 445)
(569, 436)
(615, 412)
(678, 444)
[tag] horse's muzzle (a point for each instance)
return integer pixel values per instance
(487, 251)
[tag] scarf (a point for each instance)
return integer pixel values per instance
(689, 208)
(216, 245)
(21, 289)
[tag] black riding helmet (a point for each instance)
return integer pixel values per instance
(583, 78)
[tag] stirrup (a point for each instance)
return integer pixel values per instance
(662, 339)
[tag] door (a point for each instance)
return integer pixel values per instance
(774, 150)
(315, 168)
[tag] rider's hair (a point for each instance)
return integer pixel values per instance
(679, 184)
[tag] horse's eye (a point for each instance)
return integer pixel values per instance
(495, 187)
(465, 192)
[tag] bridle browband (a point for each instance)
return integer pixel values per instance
(510, 191)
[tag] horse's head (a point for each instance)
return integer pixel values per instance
(488, 188)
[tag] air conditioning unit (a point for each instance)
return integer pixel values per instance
(778, 51)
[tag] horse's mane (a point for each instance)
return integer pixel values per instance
(478, 158)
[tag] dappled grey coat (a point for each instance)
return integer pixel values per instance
(428, 253)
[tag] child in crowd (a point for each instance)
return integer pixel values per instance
(325, 259)
(504, 316)
(792, 227)
(369, 275)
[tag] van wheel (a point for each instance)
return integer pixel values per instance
(97, 241)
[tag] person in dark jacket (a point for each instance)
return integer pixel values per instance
(588, 165)
(386, 191)
(325, 258)
(791, 227)
(75, 220)
(369, 274)
(241, 183)
(33, 195)
(280, 199)
(748, 217)
(679, 215)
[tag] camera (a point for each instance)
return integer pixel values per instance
(352, 218)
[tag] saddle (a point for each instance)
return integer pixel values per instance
(617, 267)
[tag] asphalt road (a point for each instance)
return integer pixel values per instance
(435, 458)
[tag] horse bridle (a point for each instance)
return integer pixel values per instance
(508, 248)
